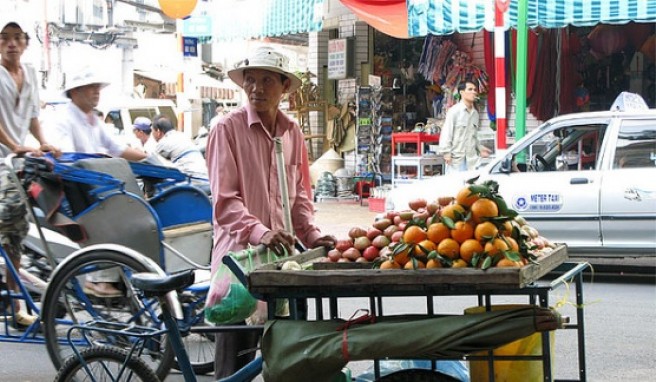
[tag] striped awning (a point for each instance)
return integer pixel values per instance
(440, 17)
(245, 19)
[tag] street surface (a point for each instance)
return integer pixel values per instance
(619, 322)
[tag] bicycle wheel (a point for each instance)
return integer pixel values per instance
(105, 363)
(199, 346)
(65, 304)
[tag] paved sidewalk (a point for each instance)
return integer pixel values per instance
(337, 217)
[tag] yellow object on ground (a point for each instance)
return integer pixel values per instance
(511, 370)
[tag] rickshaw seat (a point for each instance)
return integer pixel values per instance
(123, 219)
(78, 194)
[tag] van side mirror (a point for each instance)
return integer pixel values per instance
(506, 165)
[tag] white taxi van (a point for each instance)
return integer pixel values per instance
(584, 179)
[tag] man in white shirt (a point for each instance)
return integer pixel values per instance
(174, 146)
(77, 128)
(459, 135)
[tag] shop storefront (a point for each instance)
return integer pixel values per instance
(580, 54)
(569, 68)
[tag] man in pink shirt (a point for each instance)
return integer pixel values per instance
(243, 178)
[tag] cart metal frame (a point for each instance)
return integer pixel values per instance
(537, 293)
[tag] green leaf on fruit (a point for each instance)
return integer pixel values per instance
(472, 180)
(512, 256)
(487, 263)
(400, 248)
(449, 222)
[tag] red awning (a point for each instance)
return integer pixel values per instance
(387, 16)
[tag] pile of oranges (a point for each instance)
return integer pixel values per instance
(474, 229)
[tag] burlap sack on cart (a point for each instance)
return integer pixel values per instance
(300, 351)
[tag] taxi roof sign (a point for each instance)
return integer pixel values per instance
(629, 102)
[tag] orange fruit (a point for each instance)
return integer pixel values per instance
(450, 211)
(390, 264)
(496, 246)
(414, 264)
(459, 263)
(465, 197)
(507, 263)
(468, 248)
(484, 208)
(513, 243)
(506, 228)
(438, 232)
(402, 257)
(433, 263)
(486, 231)
(427, 245)
(414, 234)
(462, 231)
(449, 248)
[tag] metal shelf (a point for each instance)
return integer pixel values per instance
(419, 163)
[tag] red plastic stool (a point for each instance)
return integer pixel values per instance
(363, 188)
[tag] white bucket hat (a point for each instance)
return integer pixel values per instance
(269, 59)
(84, 77)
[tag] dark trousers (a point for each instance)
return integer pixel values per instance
(228, 357)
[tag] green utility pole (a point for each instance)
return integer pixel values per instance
(522, 42)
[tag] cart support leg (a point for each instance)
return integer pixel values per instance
(580, 326)
(546, 342)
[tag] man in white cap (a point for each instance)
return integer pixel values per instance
(77, 128)
(142, 129)
(19, 112)
(243, 174)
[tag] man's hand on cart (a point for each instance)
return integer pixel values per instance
(282, 243)
(327, 241)
(279, 241)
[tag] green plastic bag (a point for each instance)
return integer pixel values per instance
(228, 300)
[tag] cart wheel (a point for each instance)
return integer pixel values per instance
(417, 375)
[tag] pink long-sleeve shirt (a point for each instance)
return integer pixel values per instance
(243, 178)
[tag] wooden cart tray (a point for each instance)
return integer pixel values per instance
(269, 279)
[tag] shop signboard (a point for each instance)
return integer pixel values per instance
(190, 47)
(339, 55)
(197, 26)
(374, 81)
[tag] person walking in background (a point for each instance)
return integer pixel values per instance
(142, 129)
(243, 175)
(459, 143)
(19, 114)
(78, 128)
(177, 148)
